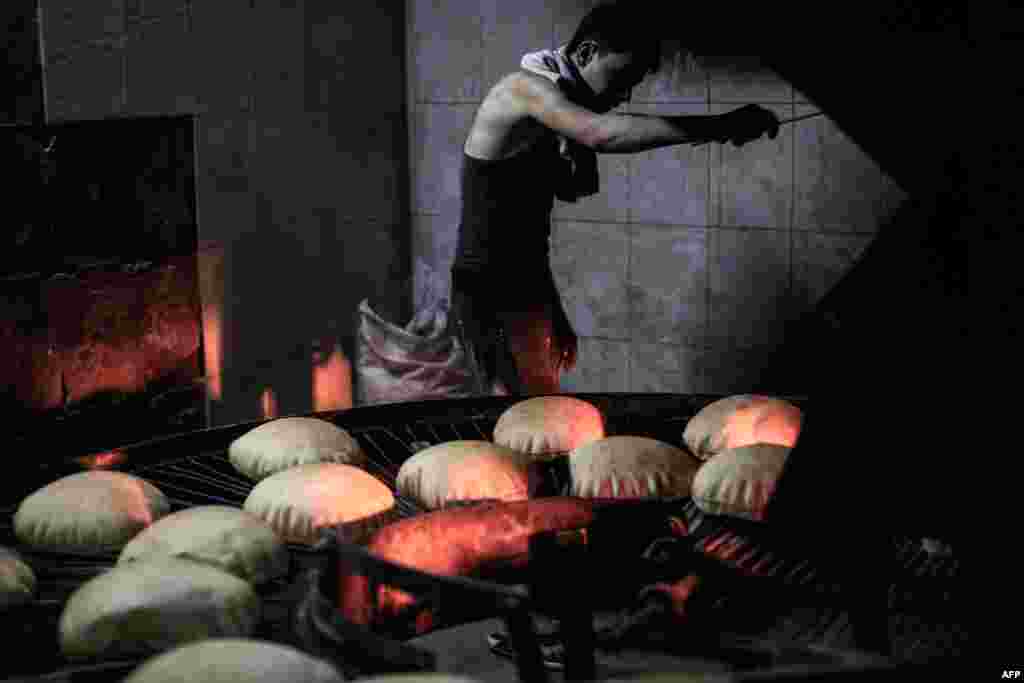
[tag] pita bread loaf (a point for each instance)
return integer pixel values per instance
(142, 607)
(298, 502)
(631, 467)
(547, 426)
(88, 513)
(228, 538)
(289, 441)
(464, 470)
(739, 482)
(742, 420)
(17, 580)
(234, 660)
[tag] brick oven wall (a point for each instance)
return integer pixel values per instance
(681, 273)
(300, 163)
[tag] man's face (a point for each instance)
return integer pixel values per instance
(613, 75)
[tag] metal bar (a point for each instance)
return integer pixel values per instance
(783, 122)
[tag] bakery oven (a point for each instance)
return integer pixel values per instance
(763, 607)
(768, 606)
(99, 283)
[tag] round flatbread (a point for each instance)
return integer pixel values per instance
(144, 607)
(631, 467)
(298, 502)
(289, 441)
(547, 426)
(234, 660)
(17, 580)
(233, 540)
(739, 482)
(742, 420)
(464, 470)
(88, 513)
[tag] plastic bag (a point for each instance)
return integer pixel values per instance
(422, 361)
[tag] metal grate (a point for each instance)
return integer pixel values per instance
(194, 469)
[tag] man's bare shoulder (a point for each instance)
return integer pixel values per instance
(518, 87)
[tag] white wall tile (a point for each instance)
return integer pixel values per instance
(672, 184)
(439, 134)
(511, 30)
(447, 37)
(752, 185)
(838, 186)
(745, 79)
(820, 261)
(656, 368)
(602, 366)
(668, 285)
(590, 262)
(749, 287)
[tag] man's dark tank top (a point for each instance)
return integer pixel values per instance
(506, 211)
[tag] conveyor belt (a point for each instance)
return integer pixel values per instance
(193, 469)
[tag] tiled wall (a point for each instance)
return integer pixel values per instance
(301, 159)
(680, 274)
(21, 98)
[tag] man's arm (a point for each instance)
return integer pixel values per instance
(614, 133)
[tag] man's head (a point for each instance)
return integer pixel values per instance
(614, 48)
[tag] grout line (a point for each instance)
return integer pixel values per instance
(125, 40)
(709, 221)
(41, 46)
(452, 103)
(631, 235)
(483, 64)
(690, 226)
(790, 297)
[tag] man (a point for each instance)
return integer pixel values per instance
(535, 137)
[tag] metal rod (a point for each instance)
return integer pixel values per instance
(801, 117)
(781, 123)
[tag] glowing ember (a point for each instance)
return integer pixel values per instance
(332, 382)
(679, 593)
(268, 400)
(212, 347)
(765, 421)
(101, 460)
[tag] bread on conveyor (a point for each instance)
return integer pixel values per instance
(464, 470)
(631, 467)
(154, 605)
(90, 512)
(234, 660)
(289, 441)
(742, 420)
(17, 580)
(237, 541)
(300, 501)
(546, 426)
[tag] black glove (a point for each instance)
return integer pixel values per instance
(747, 123)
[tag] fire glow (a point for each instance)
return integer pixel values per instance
(212, 349)
(102, 460)
(268, 400)
(332, 382)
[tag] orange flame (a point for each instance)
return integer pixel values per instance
(213, 351)
(269, 402)
(332, 382)
(100, 460)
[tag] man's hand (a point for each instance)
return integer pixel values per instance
(747, 123)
